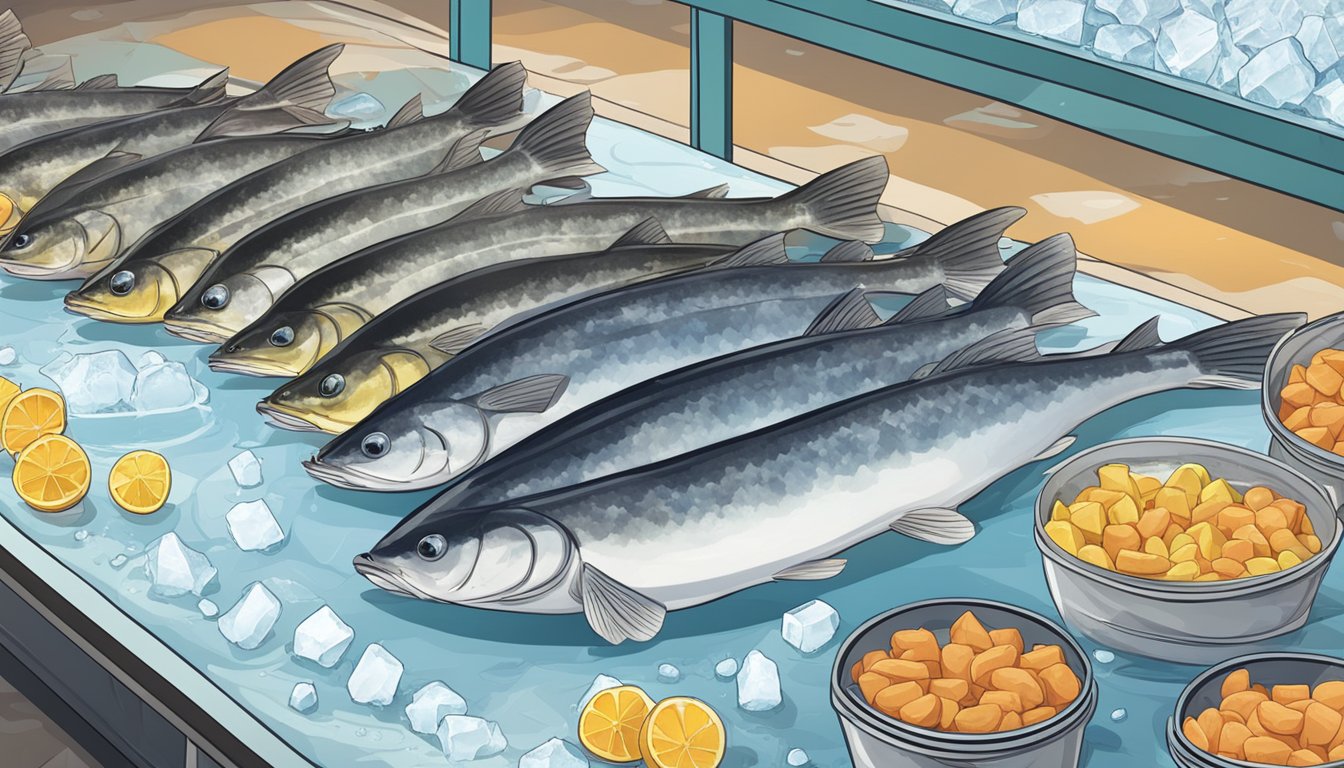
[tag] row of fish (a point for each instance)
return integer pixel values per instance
(636, 404)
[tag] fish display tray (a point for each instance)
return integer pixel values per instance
(84, 569)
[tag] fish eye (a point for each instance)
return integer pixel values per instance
(215, 297)
(21, 240)
(122, 282)
(432, 547)
(374, 445)
(332, 386)
(282, 337)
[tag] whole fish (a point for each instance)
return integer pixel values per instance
(781, 502)
(402, 345)
(732, 395)
(531, 373)
(333, 302)
(292, 99)
(14, 45)
(261, 265)
(411, 145)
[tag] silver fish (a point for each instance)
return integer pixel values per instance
(242, 283)
(292, 99)
(732, 395)
(780, 503)
(410, 145)
(531, 373)
(331, 303)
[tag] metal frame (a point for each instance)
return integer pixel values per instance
(1186, 122)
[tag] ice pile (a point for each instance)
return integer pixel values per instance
(251, 619)
(246, 469)
(466, 738)
(107, 382)
(556, 753)
(174, 569)
(322, 637)
(758, 684)
(1060, 20)
(253, 527)
(1128, 43)
(986, 11)
(1279, 74)
(303, 698)
(376, 677)
(600, 684)
(810, 626)
(431, 704)
(360, 106)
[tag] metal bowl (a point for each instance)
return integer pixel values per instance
(1323, 466)
(878, 741)
(1205, 691)
(1180, 621)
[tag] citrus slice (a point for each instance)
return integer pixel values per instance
(8, 390)
(140, 481)
(682, 732)
(30, 415)
(52, 473)
(609, 723)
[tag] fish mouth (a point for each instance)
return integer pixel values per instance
(38, 271)
(285, 418)
(194, 331)
(381, 577)
(248, 366)
(78, 305)
(349, 478)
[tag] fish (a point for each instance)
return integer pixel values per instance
(293, 99)
(403, 344)
(531, 373)
(14, 46)
(206, 297)
(410, 145)
(331, 303)
(782, 502)
(718, 399)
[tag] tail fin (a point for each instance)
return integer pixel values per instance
(496, 98)
(208, 91)
(13, 45)
(294, 98)
(1039, 281)
(558, 139)
(1233, 355)
(58, 78)
(843, 203)
(968, 251)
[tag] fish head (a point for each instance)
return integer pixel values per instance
(127, 292)
(396, 450)
(500, 556)
(342, 389)
(219, 306)
(280, 344)
(62, 248)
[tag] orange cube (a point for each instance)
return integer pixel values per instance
(983, 718)
(967, 630)
(997, 657)
(1061, 685)
(1041, 657)
(892, 699)
(957, 661)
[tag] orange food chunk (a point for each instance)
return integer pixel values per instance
(901, 670)
(1324, 379)
(957, 660)
(1042, 657)
(1154, 522)
(1010, 636)
(870, 684)
(967, 630)
(950, 688)
(1304, 757)
(1299, 393)
(1287, 694)
(1257, 498)
(1240, 550)
(1190, 727)
(893, 698)
(1266, 749)
(1330, 693)
(1237, 680)
(915, 645)
(1211, 722)
(1061, 685)
(982, 718)
(1038, 715)
(1318, 436)
(1244, 702)
(1011, 721)
(1005, 700)
(1278, 719)
(1320, 724)
(1233, 738)
(1141, 563)
(997, 657)
(1117, 537)
(1019, 681)
(924, 711)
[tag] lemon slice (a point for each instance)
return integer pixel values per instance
(52, 473)
(30, 415)
(8, 390)
(682, 732)
(609, 723)
(140, 481)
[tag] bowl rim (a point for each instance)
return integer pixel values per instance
(862, 715)
(1187, 590)
(1270, 411)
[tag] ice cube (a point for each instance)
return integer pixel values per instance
(250, 619)
(1124, 42)
(556, 753)
(986, 11)
(810, 625)
(322, 637)
(431, 704)
(8, 355)
(207, 608)
(246, 469)
(361, 105)
(152, 357)
(1327, 101)
(174, 569)
(96, 382)
(668, 673)
(600, 683)
(1119, 715)
(1230, 61)
(253, 527)
(303, 698)
(162, 386)
(1255, 24)
(1279, 74)
(758, 683)
(1322, 41)
(1060, 20)
(1103, 656)
(1187, 45)
(376, 677)
(726, 668)
(119, 560)
(464, 738)
(797, 757)
(1145, 13)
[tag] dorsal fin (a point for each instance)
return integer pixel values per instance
(412, 111)
(497, 204)
(768, 250)
(453, 341)
(929, 304)
(1143, 337)
(466, 152)
(716, 192)
(100, 82)
(646, 232)
(851, 251)
(14, 45)
(61, 78)
(495, 99)
(1014, 345)
(209, 91)
(848, 312)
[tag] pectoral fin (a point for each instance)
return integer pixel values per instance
(851, 311)
(813, 570)
(533, 394)
(454, 341)
(617, 612)
(939, 526)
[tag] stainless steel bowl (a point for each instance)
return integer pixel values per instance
(1323, 466)
(1268, 669)
(878, 741)
(1184, 622)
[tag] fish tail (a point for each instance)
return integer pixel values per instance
(1233, 355)
(558, 139)
(1039, 281)
(968, 251)
(496, 98)
(13, 45)
(296, 97)
(209, 91)
(843, 203)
